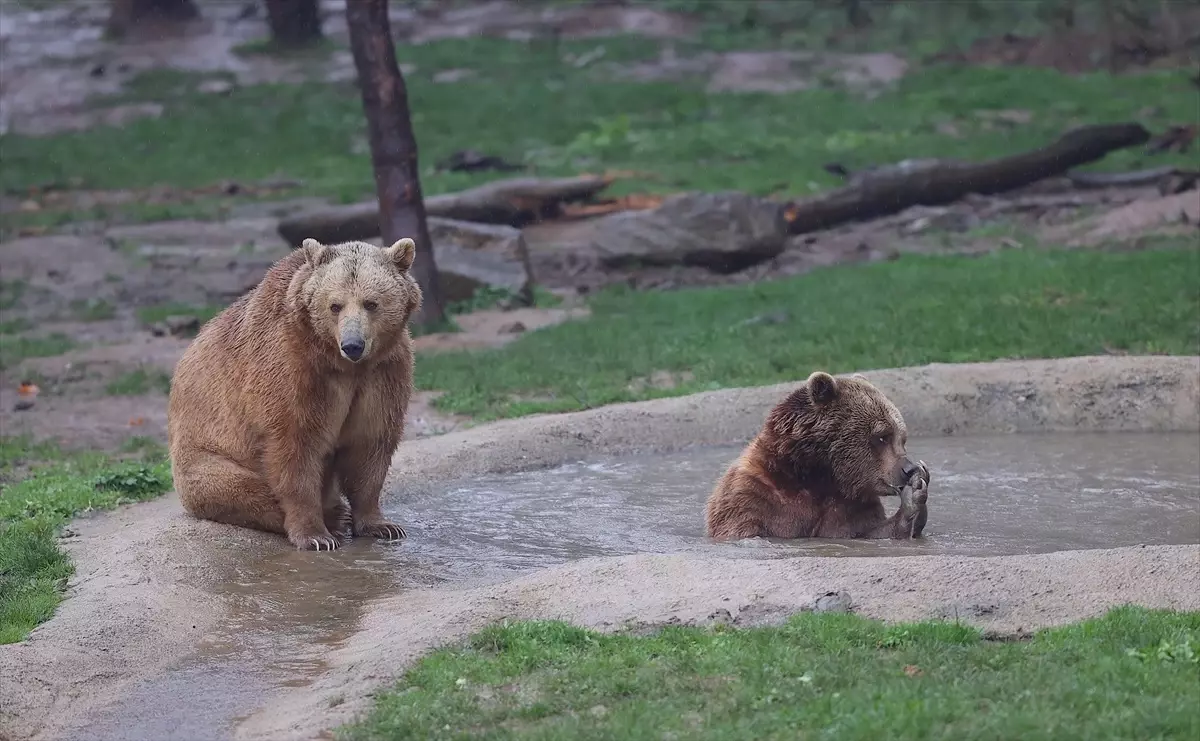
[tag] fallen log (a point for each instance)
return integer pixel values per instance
(889, 190)
(1134, 179)
(514, 202)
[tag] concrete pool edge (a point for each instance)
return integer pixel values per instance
(134, 606)
(1083, 394)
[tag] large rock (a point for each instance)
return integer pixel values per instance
(471, 256)
(723, 232)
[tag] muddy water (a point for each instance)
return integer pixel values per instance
(989, 496)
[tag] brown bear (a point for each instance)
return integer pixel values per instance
(295, 395)
(819, 466)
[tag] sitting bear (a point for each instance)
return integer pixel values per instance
(819, 466)
(295, 395)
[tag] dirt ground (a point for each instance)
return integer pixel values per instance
(126, 298)
(192, 621)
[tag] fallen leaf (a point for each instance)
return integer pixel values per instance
(913, 671)
(137, 421)
(28, 389)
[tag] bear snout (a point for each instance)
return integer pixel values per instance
(908, 470)
(352, 348)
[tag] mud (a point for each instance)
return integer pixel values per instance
(179, 629)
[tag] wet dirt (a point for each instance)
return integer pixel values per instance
(181, 629)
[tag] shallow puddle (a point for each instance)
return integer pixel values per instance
(997, 495)
(989, 496)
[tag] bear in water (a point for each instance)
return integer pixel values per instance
(818, 468)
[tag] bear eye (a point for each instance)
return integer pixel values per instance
(881, 439)
(335, 308)
(370, 305)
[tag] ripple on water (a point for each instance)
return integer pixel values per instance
(995, 495)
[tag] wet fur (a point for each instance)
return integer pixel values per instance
(817, 470)
(270, 426)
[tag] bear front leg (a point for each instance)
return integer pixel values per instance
(362, 472)
(920, 485)
(901, 525)
(298, 481)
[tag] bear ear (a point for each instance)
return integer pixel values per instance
(403, 252)
(316, 253)
(822, 388)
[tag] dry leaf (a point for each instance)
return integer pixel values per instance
(137, 421)
(913, 671)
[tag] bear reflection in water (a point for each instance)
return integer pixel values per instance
(818, 469)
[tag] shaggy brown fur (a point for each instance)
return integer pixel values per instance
(819, 466)
(295, 396)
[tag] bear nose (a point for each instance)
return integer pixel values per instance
(909, 469)
(353, 349)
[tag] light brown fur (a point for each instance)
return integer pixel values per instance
(818, 468)
(270, 423)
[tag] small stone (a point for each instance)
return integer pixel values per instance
(833, 602)
(512, 328)
(215, 87)
(452, 75)
(721, 616)
(23, 405)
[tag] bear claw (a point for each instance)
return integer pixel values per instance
(384, 531)
(319, 543)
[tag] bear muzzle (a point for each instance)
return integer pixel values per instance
(353, 349)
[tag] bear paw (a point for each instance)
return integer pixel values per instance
(383, 530)
(920, 477)
(315, 542)
(339, 522)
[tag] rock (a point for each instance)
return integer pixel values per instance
(471, 256)
(723, 232)
(215, 87)
(512, 328)
(833, 602)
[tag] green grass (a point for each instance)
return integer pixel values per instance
(918, 309)
(159, 312)
(15, 348)
(527, 104)
(92, 309)
(139, 382)
(41, 487)
(1131, 674)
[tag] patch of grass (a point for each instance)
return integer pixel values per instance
(918, 309)
(817, 676)
(92, 310)
(33, 569)
(528, 101)
(159, 312)
(11, 292)
(139, 382)
(14, 326)
(15, 348)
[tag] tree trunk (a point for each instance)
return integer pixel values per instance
(294, 22)
(393, 145)
(125, 15)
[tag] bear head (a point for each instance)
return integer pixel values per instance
(840, 436)
(358, 296)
